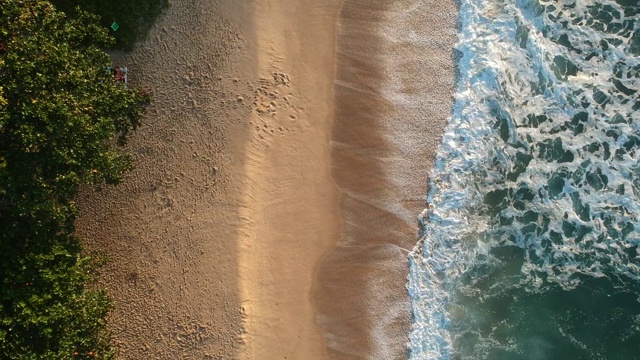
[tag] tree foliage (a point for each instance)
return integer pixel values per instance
(61, 117)
(135, 18)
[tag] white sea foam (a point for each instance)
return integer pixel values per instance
(541, 153)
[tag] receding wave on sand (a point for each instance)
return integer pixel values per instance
(394, 85)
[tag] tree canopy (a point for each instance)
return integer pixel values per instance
(134, 18)
(61, 119)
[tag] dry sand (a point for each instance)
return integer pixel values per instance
(170, 229)
(221, 242)
(291, 202)
(214, 237)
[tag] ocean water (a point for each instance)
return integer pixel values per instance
(530, 244)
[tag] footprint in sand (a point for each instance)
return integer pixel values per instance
(267, 99)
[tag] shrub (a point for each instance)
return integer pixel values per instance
(61, 116)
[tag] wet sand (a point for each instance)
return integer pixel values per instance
(394, 86)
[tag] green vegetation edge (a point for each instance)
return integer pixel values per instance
(62, 121)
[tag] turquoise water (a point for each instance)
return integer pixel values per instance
(530, 242)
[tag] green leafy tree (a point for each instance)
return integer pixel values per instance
(134, 18)
(61, 117)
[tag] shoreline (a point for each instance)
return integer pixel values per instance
(266, 208)
(394, 94)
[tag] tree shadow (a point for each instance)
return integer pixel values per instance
(134, 19)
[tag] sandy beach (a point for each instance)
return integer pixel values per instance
(213, 239)
(278, 176)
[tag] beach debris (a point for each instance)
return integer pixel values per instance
(119, 74)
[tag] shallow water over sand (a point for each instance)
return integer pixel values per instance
(388, 96)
